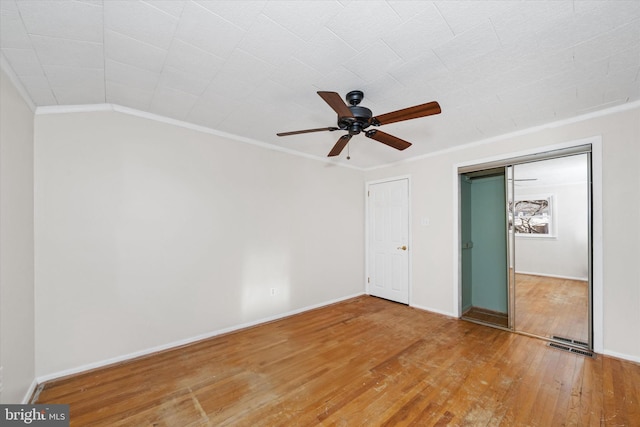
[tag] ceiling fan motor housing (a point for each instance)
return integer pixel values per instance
(359, 121)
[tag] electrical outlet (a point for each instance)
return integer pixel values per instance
(272, 291)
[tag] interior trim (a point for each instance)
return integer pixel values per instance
(543, 155)
(595, 142)
(168, 346)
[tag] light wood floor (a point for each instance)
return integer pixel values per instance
(547, 306)
(365, 361)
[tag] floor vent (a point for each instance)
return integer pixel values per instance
(571, 349)
(570, 341)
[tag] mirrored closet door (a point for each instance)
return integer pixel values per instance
(549, 229)
(525, 245)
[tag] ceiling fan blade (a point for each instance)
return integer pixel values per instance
(390, 140)
(297, 132)
(342, 142)
(415, 112)
(335, 101)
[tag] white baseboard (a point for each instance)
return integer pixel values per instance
(621, 356)
(555, 276)
(32, 388)
(55, 375)
(126, 357)
(434, 310)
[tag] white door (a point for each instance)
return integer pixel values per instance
(388, 240)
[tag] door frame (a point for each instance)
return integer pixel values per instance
(367, 228)
(597, 300)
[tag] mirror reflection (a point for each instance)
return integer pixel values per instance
(549, 226)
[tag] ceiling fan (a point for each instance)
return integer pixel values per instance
(355, 119)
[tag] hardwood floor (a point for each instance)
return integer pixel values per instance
(547, 306)
(365, 361)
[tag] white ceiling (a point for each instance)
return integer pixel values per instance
(252, 68)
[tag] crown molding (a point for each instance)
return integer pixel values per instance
(552, 125)
(92, 108)
(13, 78)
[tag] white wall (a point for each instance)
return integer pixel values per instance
(434, 258)
(16, 244)
(149, 233)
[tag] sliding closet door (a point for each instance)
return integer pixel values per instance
(484, 247)
(549, 216)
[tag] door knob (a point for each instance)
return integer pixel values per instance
(403, 247)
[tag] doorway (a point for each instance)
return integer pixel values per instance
(484, 247)
(388, 239)
(543, 250)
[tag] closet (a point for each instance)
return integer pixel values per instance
(525, 245)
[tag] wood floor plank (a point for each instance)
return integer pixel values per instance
(571, 400)
(365, 361)
(502, 394)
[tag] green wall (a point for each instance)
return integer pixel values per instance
(484, 219)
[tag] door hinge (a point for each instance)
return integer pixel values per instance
(368, 193)
(368, 279)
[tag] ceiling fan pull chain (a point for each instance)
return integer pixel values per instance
(348, 151)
